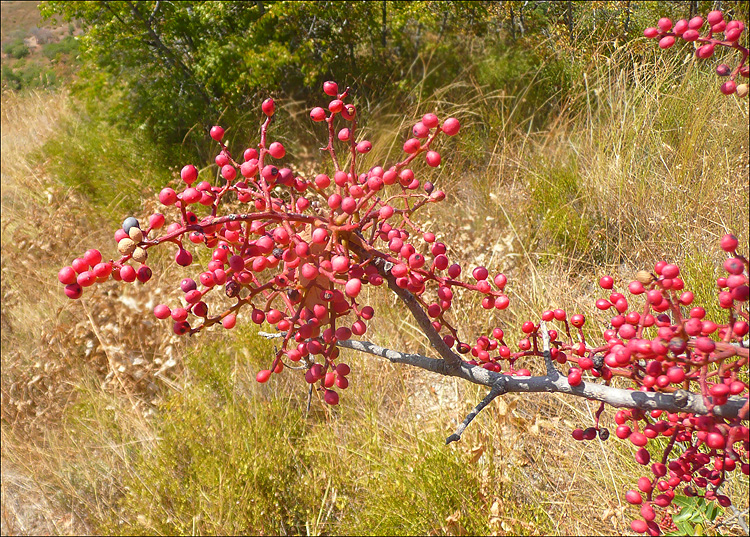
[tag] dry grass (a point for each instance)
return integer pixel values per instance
(105, 429)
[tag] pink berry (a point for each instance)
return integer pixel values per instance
(363, 147)
(715, 17)
(67, 275)
(268, 107)
(189, 173)
(162, 311)
(331, 397)
(705, 51)
(73, 290)
(217, 133)
(183, 257)
(433, 159)
(680, 27)
(451, 126)
(331, 88)
(691, 35)
(634, 497)
(664, 24)
(574, 377)
(420, 130)
(651, 32)
(167, 196)
(695, 23)
(412, 145)
(317, 114)
(156, 221)
(728, 87)
(229, 321)
(228, 172)
(276, 150)
(480, 273)
(263, 375)
(86, 278)
(733, 34)
(666, 42)
(128, 274)
(353, 287)
(336, 106)
(606, 282)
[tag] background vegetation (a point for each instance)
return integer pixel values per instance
(583, 151)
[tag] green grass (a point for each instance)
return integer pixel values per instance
(113, 169)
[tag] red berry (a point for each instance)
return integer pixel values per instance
(728, 87)
(217, 133)
(331, 397)
(317, 114)
(263, 375)
(433, 159)
(430, 121)
(729, 243)
(666, 42)
(268, 107)
(331, 88)
(451, 126)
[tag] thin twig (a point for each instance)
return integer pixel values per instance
(497, 389)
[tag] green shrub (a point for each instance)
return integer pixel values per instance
(16, 48)
(68, 46)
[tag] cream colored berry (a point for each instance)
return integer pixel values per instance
(136, 234)
(126, 246)
(140, 255)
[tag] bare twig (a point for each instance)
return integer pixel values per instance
(497, 389)
(552, 371)
(679, 401)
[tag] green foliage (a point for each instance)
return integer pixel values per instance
(110, 166)
(184, 64)
(28, 76)
(695, 515)
(16, 49)
(68, 46)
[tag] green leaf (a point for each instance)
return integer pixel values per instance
(685, 528)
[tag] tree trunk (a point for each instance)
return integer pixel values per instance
(570, 20)
(627, 17)
(384, 27)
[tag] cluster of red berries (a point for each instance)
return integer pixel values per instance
(300, 256)
(670, 346)
(690, 30)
